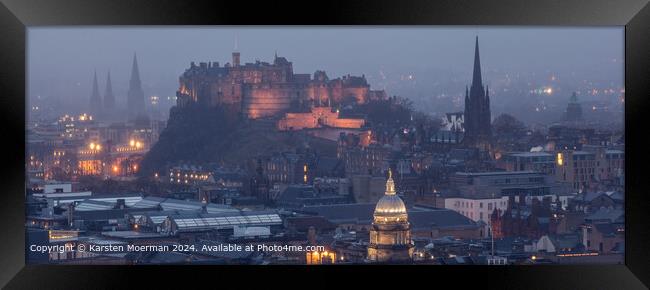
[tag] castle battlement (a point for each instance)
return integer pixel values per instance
(262, 89)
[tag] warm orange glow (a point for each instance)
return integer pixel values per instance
(560, 160)
(89, 167)
(132, 143)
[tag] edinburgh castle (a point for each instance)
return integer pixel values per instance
(262, 89)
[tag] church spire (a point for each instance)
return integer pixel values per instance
(135, 72)
(109, 98)
(476, 79)
(95, 99)
(135, 95)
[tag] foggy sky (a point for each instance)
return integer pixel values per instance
(61, 60)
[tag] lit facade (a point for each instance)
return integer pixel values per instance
(390, 233)
(318, 117)
(261, 89)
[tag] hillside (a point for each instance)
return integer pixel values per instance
(201, 135)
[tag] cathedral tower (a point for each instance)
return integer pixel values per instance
(95, 99)
(135, 96)
(478, 131)
(109, 98)
(390, 233)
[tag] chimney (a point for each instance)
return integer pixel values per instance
(235, 59)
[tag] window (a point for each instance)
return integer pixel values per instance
(480, 205)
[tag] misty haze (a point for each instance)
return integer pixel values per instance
(428, 65)
(325, 145)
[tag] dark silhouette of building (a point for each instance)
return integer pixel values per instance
(135, 96)
(521, 220)
(95, 99)
(477, 122)
(260, 185)
(109, 98)
(573, 110)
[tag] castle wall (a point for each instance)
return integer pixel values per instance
(263, 89)
(225, 92)
(260, 101)
(348, 123)
(360, 94)
(319, 116)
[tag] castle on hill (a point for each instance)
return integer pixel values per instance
(262, 89)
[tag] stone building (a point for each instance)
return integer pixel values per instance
(390, 233)
(262, 89)
(573, 110)
(318, 117)
(477, 118)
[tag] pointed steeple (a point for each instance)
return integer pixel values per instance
(135, 72)
(109, 98)
(477, 108)
(135, 95)
(476, 78)
(95, 99)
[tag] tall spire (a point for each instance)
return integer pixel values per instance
(476, 79)
(477, 109)
(95, 99)
(135, 95)
(135, 72)
(109, 98)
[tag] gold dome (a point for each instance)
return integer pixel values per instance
(390, 204)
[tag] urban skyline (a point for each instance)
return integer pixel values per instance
(262, 163)
(423, 64)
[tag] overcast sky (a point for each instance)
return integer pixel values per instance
(61, 60)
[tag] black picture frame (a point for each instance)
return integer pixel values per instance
(17, 15)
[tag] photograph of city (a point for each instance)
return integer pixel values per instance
(424, 145)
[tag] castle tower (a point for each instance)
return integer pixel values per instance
(390, 233)
(135, 95)
(477, 123)
(109, 98)
(95, 99)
